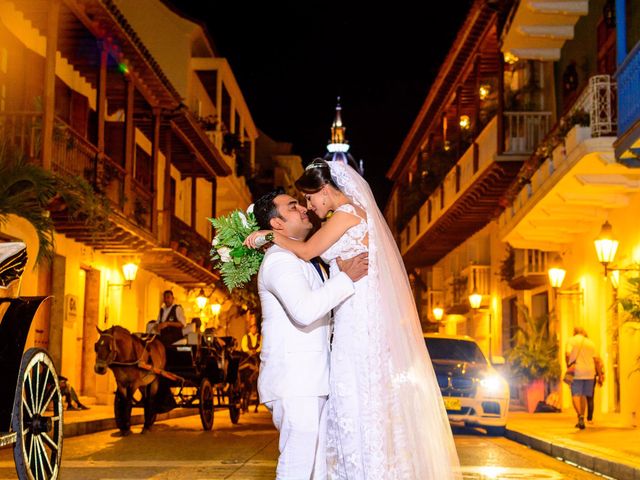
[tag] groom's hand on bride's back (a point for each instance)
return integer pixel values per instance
(356, 267)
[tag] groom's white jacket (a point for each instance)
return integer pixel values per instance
(296, 314)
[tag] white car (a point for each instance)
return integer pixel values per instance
(474, 393)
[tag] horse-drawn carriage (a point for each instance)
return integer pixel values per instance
(201, 371)
(30, 398)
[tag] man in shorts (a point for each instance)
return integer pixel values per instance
(581, 353)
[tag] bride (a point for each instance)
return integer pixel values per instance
(386, 418)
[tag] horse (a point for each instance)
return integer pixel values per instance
(248, 371)
(126, 354)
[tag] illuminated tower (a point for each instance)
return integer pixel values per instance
(338, 147)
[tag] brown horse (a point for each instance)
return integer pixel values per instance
(248, 371)
(127, 355)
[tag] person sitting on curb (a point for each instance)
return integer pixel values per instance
(70, 395)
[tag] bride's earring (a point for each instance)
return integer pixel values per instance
(324, 202)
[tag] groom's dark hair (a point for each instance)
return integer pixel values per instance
(264, 209)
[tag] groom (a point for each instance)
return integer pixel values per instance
(297, 301)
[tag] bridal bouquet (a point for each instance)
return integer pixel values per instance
(237, 263)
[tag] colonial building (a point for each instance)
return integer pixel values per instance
(83, 94)
(532, 188)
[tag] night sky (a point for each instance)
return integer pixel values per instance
(292, 59)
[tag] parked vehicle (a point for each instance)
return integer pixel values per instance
(474, 393)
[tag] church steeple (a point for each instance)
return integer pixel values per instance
(338, 141)
(338, 148)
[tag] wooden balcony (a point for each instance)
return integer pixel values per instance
(568, 195)
(74, 155)
(530, 269)
(467, 199)
(186, 262)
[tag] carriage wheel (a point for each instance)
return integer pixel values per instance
(206, 404)
(37, 418)
(235, 401)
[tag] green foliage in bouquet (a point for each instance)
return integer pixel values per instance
(236, 262)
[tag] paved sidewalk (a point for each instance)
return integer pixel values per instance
(606, 446)
(100, 417)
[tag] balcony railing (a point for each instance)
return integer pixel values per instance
(73, 154)
(530, 262)
(628, 78)
(523, 131)
(598, 100)
(452, 186)
(22, 130)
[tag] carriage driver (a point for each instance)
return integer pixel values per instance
(251, 340)
(171, 320)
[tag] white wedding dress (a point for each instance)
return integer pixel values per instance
(386, 418)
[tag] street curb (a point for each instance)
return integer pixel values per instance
(601, 465)
(75, 429)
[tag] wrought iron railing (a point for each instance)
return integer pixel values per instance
(598, 100)
(628, 78)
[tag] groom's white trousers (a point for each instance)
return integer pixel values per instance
(302, 424)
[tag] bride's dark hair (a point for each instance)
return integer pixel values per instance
(315, 176)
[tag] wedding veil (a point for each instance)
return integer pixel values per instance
(416, 436)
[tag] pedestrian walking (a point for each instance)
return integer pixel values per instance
(581, 357)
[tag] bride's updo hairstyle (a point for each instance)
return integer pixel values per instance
(315, 176)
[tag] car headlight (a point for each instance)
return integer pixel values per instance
(493, 384)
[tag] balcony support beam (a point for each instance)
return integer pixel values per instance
(129, 144)
(167, 201)
(101, 95)
(53, 16)
(155, 155)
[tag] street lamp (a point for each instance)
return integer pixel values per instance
(201, 300)
(438, 313)
(129, 272)
(475, 300)
(606, 246)
(556, 272)
(556, 275)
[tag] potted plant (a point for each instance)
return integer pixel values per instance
(533, 361)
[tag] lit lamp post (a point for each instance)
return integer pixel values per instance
(556, 272)
(606, 246)
(129, 272)
(475, 301)
(556, 275)
(201, 300)
(438, 313)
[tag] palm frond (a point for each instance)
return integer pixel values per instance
(26, 190)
